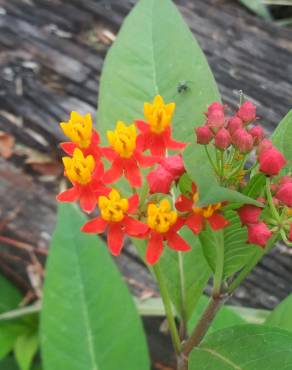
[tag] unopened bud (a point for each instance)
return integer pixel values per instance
(222, 139)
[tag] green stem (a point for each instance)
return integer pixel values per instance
(218, 275)
(168, 309)
(251, 264)
(270, 201)
(183, 321)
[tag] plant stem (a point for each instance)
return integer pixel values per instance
(218, 275)
(204, 323)
(168, 309)
(183, 321)
(270, 201)
(210, 159)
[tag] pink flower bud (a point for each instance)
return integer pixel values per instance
(215, 106)
(249, 214)
(247, 112)
(216, 119)
(174, 165)
(271, 161)
(285, 179)
(259, 234)
(204, 135)
(159, 180)
(284, 194)
(264, 145)
(257, 132)
(242, 140)
(233, 124)
(222, 139)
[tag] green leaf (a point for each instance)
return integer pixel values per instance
(88, 320)
(258, 8)
(225, 318)
(236, 250)
(244, 347)
(9, 295)
(282, 137)
(281, 316)
(255, 186)
(25, 349)
(8, 335)
(8, 364)
(199, 168)
(143, 62)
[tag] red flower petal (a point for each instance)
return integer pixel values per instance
(95, 226)
(195, 222)
(154, 248)
(183, 204)
(68, 147)
(134, 227)
(133, 203)
(88, 200)
(172, 144)
(176, 242)
(156, 145)
(217, 221)
(178, 225)
(70, 195)
(142, 126)
(145, 161)
(109, 153)
(114, 173)
(132, 172)
(115, 238)
(95, 138)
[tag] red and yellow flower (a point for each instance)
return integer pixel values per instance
(156, 132)
(79, 129)
(195, 217)
(85, 173)
(114, 216)
(163, 225)
(126, 156)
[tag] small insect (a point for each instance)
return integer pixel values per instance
(183, 86)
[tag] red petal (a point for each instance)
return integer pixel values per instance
(183, 204)
(134, 227)
(176, 242)
(142, 126)
(96, 226)
(132, 173)
(114, 173)
(156, 145)
(88, 200)
(109, 153)
(170, 143)
(154, 248)
(115, 238)
(133, 203)
(146, 161)
(95, 138)
(68, 147)
(217, 221)
(70, 195)
(195, 222)
(178, 225)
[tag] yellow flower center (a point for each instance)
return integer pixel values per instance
(158, 114)
(207, 211)
(161, 217)
(123, 139)
(79, 168)
(113, 207)
(78, 129)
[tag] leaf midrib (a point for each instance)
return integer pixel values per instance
(221, 357)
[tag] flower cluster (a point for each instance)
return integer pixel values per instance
(152, 212)
(94, 171)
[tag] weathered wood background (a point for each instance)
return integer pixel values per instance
(51, 55)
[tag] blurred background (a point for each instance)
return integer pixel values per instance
(51, 55)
